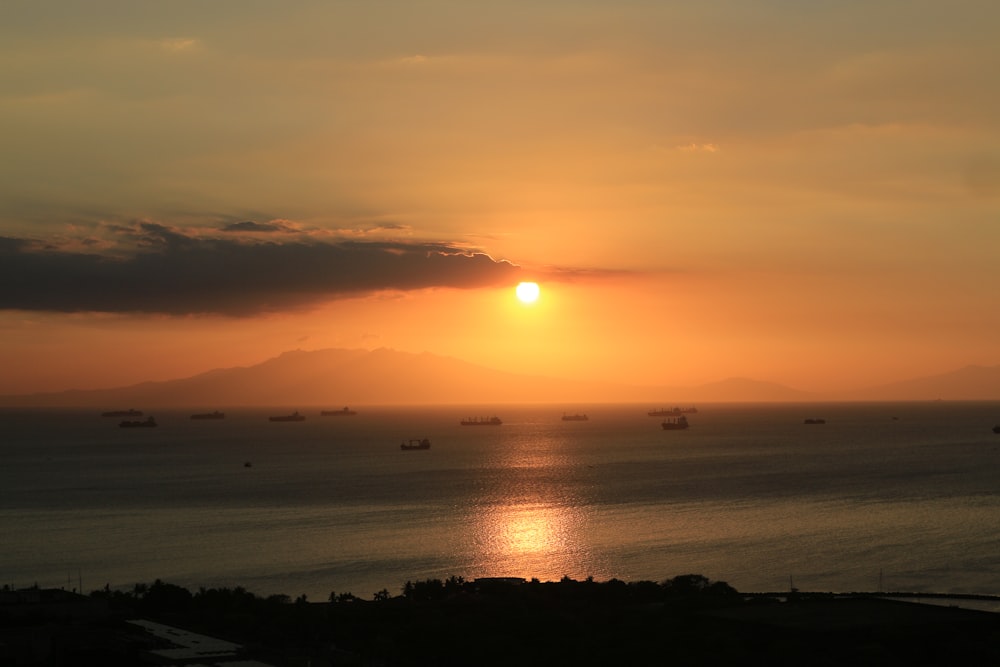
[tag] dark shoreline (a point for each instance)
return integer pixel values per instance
(685, 620)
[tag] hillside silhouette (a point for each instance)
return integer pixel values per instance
(685, 620)
(384, 376)
(971, 383)
(335, 377)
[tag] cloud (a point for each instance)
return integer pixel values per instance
(258, 227)
(704, 148)
(414, 60)
(175, 44)
(154, 268)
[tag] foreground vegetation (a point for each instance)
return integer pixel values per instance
(684, 620)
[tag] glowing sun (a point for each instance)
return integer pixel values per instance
(528, 292)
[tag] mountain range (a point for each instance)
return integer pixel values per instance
(337, 377)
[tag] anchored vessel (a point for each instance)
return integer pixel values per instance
(149, 422)
(672, 412)
(814, 421)
(416, 443)
(294, 417)
(675, 423)
(345, 412)
(209, 415)
(122, 413)
(574, 418)
(481, 421)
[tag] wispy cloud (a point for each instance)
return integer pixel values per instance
(414, 60)
(703, 148)
(271, 227)
(178, 44)
(153, 268)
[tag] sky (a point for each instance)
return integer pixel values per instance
(802, 192)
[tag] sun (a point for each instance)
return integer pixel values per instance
(527, 292)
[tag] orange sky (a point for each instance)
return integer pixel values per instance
(807, 193)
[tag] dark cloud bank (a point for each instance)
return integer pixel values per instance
(169, 271)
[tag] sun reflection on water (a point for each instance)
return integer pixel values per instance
(532, 522)
(532, 539)
(517, 531)
(533, 518)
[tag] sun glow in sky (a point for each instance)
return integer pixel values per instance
(527, 293)
(804, 193)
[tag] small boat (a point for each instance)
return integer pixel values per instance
(209, 415)
(294, 417)
(675, 423)
(574, 418)
(122, 413)
(247, 464)
(672, 412)
(416, 444)
(814, 421)
(338, 413)
(481, 421)
(996, 429)
(149, 422)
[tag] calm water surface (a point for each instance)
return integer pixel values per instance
(748, 495)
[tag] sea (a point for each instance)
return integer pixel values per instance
(880, 497)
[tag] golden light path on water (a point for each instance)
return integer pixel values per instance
(532, 540)
(523, 532)
(533, 525)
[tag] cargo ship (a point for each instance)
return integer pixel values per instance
(209, 415)
(416, 444)
(481, 421)
(672, 412)
(294, 417)
(338, 413)
(122, 413)
(149, 422)
(675, 423)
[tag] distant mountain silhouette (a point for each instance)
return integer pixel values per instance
(333, 378)
(336, 377)
(743, 389)
(969, 383)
